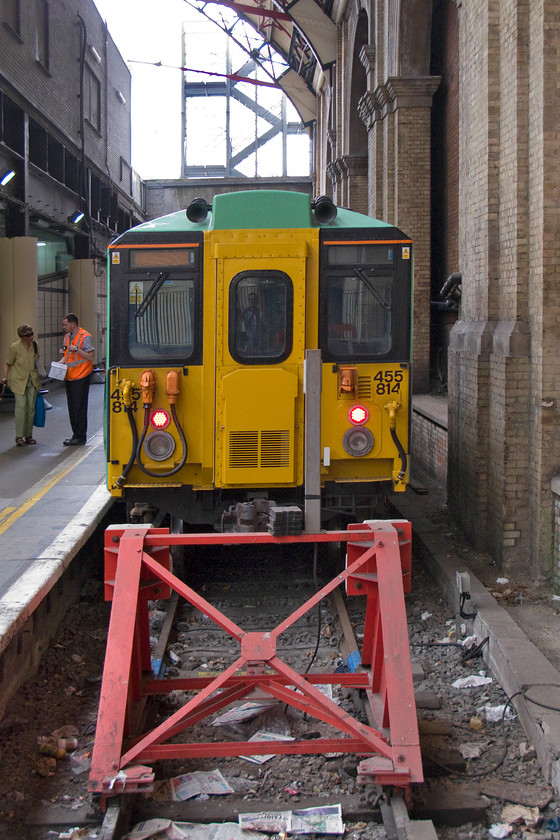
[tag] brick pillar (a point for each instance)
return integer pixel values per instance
(386, 158)
(356, 182)
(410, 101)
(495, 473)
(336, 172)
(544, 262)
(398, 119)
(370, 114)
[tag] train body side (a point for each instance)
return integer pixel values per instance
(229, 306)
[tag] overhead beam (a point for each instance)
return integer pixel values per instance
(242, 8)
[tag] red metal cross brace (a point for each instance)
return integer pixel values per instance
(376, 571)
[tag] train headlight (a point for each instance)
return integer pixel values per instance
(358, 415)
(159, 446)
(160, 418)
(357, 441)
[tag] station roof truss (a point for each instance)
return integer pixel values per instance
(293, 42)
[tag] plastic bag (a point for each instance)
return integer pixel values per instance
(40, 411)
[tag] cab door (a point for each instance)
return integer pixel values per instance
(260, 338)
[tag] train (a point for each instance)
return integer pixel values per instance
(259, 362)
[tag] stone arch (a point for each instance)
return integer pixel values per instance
(357, 142)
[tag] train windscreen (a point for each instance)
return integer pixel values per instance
(364, 300)
(359, 313)
(161, 315)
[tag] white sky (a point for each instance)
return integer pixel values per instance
(150, 31)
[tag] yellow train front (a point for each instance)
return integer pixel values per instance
(211, 314)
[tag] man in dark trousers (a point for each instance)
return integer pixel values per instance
(78, 353)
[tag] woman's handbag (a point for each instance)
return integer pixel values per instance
(40, 411)
(40, 368)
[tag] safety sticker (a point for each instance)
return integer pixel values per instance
(136, 295)
(116, 257)
(406, 253)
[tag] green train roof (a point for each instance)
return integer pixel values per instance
(258, 209)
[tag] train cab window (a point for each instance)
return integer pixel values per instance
(357, 297)
(359, 314)
(260, 317)
(161, 317)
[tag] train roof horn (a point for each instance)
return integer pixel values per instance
(198, 210)
(324, 209)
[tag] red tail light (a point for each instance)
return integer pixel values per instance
(160, 418)
(358, 415)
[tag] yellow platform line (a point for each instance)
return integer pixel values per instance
(5, 513)
(32, 500)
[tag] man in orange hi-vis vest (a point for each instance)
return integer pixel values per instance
(78, 353)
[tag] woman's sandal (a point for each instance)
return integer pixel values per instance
(20, 442)
(30, 440)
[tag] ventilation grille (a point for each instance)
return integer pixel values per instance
(364, 387)
(251, 450)
(275, 449)
(243, 449)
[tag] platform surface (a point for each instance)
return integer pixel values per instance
(51, 499)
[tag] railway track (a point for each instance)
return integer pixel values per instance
(256, 590)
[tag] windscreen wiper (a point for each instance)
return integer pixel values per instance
(152, 292)
(359, 272)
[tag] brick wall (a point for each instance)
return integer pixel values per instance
(50, 92)
(504, 444)
(429, 447)
(555, 529)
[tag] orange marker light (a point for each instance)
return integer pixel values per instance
(160, 419)
(358, 415)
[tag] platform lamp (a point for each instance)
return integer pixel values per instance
(75, 218)
(7, 177)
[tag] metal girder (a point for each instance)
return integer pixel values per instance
(284, 42)
(138, 567)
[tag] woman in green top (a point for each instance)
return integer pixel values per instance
(20, 373)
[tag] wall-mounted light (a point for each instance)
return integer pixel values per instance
(95, 54)
(75, 218)
(121, 97)
(7, 177)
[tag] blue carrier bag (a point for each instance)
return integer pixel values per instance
(40, 411)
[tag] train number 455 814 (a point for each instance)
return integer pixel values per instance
(388, 381)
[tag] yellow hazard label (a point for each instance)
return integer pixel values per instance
(115, 257)
(136, 294)
(406, 253)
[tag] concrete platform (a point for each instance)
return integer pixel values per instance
(52, 498)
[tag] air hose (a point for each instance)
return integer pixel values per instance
(122, 477)
(127, 399)
(392, 408)
(147, 385)
(402, 454)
